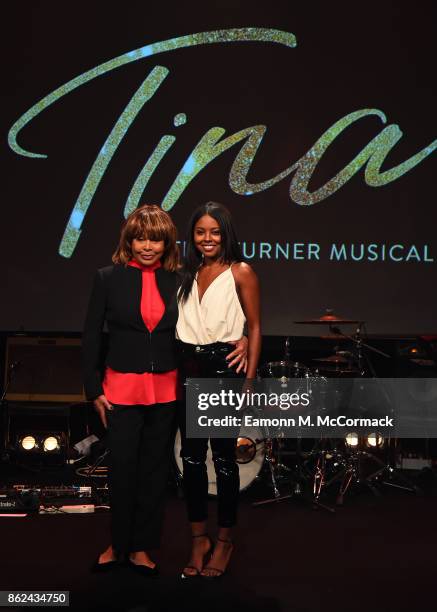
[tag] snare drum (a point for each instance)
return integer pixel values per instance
(250, 454)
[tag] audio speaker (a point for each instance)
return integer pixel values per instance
(44, 369)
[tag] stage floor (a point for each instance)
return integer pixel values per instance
(374, 553)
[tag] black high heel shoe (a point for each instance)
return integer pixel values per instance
(220, 573)
(144, 570)
(196, 569)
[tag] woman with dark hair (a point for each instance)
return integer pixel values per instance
(136, 298)
(218, 295)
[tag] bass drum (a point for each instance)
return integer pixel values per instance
(250, 455)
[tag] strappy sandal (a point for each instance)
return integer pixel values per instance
(220, 573)
(193, 567)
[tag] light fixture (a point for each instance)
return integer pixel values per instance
(40, 448)
(51, 444)
(27, 443)
(375, 440)
(352, 439)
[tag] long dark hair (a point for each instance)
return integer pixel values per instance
(230, 249)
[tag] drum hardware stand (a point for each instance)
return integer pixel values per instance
(270, 461)
(359, 345)
(351, 460)
(274, 477)
(302, 474)
(295, 477)
(390, 472)
(352, 470)
(352, 474)
(323, 454)
(282, 470)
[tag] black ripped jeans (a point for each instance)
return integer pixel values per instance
(208, 361)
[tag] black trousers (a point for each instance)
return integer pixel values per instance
(208, 362)
(140, 440)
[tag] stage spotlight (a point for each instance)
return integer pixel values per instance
(40, 448)
(51, 444)
(352, 439)
(27, 443)
(375, 440)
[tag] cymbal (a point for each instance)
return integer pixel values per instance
(334, 336)
(339, 371)
(328, 319)
(333, 359)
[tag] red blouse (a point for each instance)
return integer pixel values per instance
(146, 388)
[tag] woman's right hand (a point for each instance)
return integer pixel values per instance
(101, 405)
(238, 357)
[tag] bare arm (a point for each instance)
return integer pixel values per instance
(248, 290)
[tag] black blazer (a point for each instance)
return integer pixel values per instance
(116, 299)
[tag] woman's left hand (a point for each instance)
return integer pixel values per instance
(238, 357)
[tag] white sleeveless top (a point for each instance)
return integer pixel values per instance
(218, 318)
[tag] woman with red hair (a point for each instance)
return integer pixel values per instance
(136, 299)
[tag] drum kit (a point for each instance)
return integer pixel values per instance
(328, 461)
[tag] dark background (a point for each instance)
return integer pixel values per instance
(348, 57)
